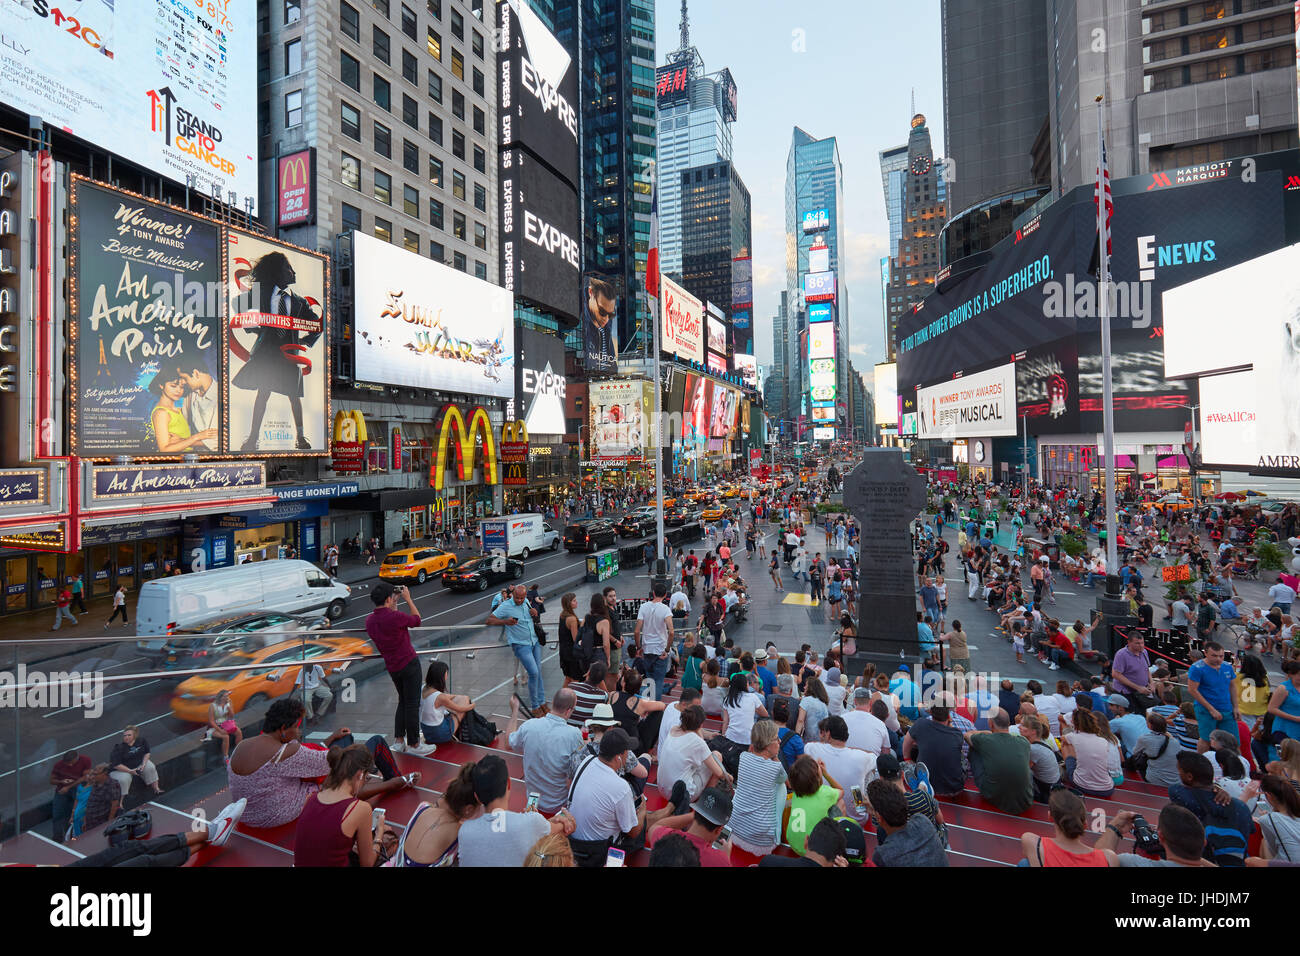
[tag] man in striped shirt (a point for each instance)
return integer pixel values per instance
(589, 693)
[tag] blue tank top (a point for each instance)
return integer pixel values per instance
(1290, 706)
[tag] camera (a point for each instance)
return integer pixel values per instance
(1145, 839)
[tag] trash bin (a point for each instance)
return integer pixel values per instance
(602, 565)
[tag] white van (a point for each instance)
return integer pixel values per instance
(288, 586)
(517, 535)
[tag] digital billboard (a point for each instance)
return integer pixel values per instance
(278, 381)
(821, 341)
(539, 90)
(816, 220)
(819, 287)
(540, 256)
(726, 405)
(746, 368)
(1047, 386)
(295, 189)
(539, 363)
(683, 321)
(886, 393)
(617, 420)
(979, 404)
(1143, 397)
(823, 434)
(717, 331)
(742, 281)
(600, 295)
(144, 327)
(823, 413)
(821, 371)
(821, 312)
(819, 256)
(717, 363)
(1229, 421)
(729, 96)
(170, 86)
(423, 324)
(672, 84)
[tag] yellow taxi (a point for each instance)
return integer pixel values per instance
(670, 501)
(1172, 502)
(695, 494)
(417, 564)
(729, 491)
(192, 697)
(715, 513)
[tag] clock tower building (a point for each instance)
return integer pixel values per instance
(925, 210)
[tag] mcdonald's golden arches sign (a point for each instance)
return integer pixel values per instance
(454, 436)
(295, 189)
(514, 442)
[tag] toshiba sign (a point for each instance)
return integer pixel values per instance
(683, 321)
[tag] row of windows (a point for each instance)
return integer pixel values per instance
(350, 176)
(1219, 68)
(1266, 29)
(351, 218)
(350, 124)
(381, 92)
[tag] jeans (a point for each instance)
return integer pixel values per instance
(60, 614)
(1092, 578)
(441, 734)
(1058, 656)
(63, 804)
(530, 655)
(406, 720)
(658, 669)
(170, 850)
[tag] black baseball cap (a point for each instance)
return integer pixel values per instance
(887, 767)
(714, 806)
(855, 839)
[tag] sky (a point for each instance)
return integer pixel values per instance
(842, 68)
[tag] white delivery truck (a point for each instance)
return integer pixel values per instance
(517, 535)
(288, 586)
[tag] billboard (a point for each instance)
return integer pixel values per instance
(742, 281)
(423, 324)
(144, 327)
(617, 420)
(169, 86)
(746, 368)
(672, 84)
(295, 189)
(1047, 386)
(540, 366)
(819, 287)
(819, 256)
(600, 296)
(717, 331)
(821, 371)
(821, 341)
(278, 381)
(816, 220)
(717, 364)
(683, 321)
(823, 413)
(823, 434)
(886, 393)
(979, 404)
(539, 90)
(1229, 421)
(729, 96)
(540, 257)
(722, 415)
(821, 312)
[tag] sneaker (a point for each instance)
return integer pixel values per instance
(922, 774)
(680, 798)
(422, 750)
(220, 828)
(1053, 667)
(398, 746)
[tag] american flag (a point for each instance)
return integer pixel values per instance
(652, 257)
(1101, 189)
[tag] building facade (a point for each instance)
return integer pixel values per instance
(715, 227)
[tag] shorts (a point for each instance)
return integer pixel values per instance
(1018, 642)
(1206, 725)
(229, 726)
(571, 668)
(441, 734)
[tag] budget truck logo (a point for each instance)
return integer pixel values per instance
(185, 131)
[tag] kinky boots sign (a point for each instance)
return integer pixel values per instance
(885, 493)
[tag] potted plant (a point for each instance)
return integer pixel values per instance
(1271, 557)
(1073, 544)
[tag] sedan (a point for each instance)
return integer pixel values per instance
(636, 525)
(680, 516)
(715, 513)
(477, 574)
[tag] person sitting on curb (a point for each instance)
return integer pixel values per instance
(1181, 836)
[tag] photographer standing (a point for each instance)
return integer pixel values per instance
(388, 629)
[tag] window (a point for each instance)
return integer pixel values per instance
(437, 252)
(350, 23)
(351, 218)
(457, 65)
(410, 241)
(264, 117)
(293, 109)
(384, 188)
(458, 228)
(408, 21)
(435, 171)
(351, 121)
(480, 197)
(292, 11)
(383, 229)
(480, 159)
(293, 57)
(411, 201)
(480, 235)
(480, 270)
(383, 141)
(478, 81)
(480, 121)
(476, 42)
(457, 25)
(350, 172)
(458, 104)
(435, 87)
(410, 157)
(350, 71)
(458, 144)
(410, 112)
(263, 67)
(434, 44)
(383, 95)
(381, 6)
(410, 68)
(435, 214)
(435, 8)
(458, 261)
(380, 45)
(435, 128)
(458, 184)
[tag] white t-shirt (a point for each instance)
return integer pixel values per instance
(850, 768)
(891, 721)
(653, 618)
(835, 699)
(866, 732)
(602, 803)
(1093, 756)
(740, 719)
(1067, 706)
(682, 757)
(1050, 711)
(314, 675)
(672, 718)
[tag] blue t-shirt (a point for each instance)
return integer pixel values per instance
(1215, 685)
(521, 631)
(1228, 610)
(768, 679)
(925, 636)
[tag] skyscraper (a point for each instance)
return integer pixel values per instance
(613, 41)
(715, 228)
(924, 211)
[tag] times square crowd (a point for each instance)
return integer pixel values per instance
(805, 761)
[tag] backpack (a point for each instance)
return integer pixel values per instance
(585, 650)
(476, 729)
(1139, 761)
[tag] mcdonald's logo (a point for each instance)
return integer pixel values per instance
(514, 431)
(514, 442)
(453, 432)
(293, 171)
(516, 473)
(296, 196)
(349, 426)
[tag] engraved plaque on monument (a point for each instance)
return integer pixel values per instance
(885, 494)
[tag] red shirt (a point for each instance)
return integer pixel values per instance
(69, 772)
(387, 630)
(708, 855)
(1064, 643)
(65, 598)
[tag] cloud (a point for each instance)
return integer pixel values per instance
(862, 254)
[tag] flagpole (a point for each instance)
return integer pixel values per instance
(1103, 297)
(661, 567)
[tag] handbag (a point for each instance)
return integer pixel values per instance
(540, 633)
(1140, 761)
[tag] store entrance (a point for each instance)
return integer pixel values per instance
(263, 544)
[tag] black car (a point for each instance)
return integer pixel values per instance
(477, 574)
(677, 517)
(589, 535)
(636, 525)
